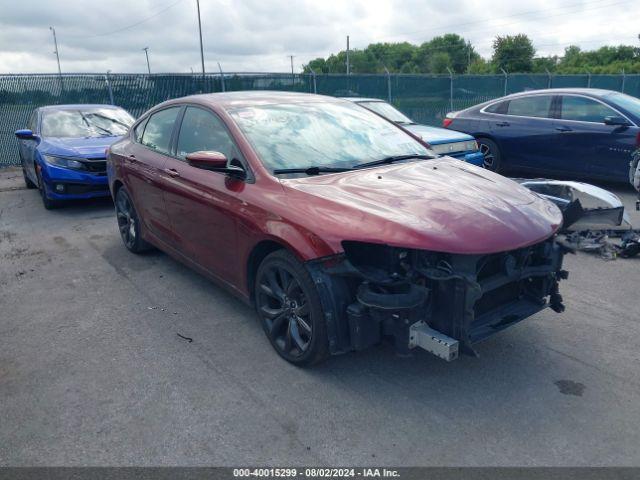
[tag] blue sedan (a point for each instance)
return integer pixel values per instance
(572, 132)
(62, 152)
(440, 140)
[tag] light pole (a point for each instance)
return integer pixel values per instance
(55, 43)
(200, 32)
(293, 81)
(146, 53)
(348, 66)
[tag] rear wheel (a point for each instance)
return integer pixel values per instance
(289, 307)
(128, 223)
(491, 154)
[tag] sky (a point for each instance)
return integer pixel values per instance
(259, 35)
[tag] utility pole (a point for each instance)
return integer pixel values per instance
(348, 66)
(221, 77)
(468, 56)
(200, 32)
(506, 79)
(55, 43)
(146, 52)
(293, 78)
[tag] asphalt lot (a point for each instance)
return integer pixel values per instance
(93, 372)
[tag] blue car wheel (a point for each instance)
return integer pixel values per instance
(48, 203)
(27, 181)
(491, 154)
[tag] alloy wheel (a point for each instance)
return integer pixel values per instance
(488, 157)
(126, 220)
(285, 311)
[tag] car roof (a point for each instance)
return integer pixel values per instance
(77, 106)
(362, 99)
(244, 98)
(593, 92)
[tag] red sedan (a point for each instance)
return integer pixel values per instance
(340, 228)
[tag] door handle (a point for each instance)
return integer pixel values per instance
(171, 172)
(563, 129)
(502, 124)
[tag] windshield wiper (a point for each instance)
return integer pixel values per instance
(113, 120)
(90, 125)
(311, 170)
(396, 158)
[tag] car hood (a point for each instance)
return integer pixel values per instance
(442, 205)
(77, 147)
(435, 135)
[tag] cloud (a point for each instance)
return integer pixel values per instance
(258, 35)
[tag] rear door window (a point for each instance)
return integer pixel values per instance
(584, 109)
(499, 107)
(533, 106)
(157, 133)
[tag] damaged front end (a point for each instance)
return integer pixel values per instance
(441, 302)
(583, 206)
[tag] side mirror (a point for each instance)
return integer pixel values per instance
(616, 120)
(216, 162)
(207, 160)
(25, 134)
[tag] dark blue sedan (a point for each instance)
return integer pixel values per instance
(62, 151)
(585, 133)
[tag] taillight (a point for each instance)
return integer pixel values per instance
(446, 122)
(638, 140)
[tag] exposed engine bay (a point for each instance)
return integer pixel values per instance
(441, 302)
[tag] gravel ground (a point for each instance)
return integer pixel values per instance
(93, 372)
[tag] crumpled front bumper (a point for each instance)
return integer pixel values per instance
(444, 303)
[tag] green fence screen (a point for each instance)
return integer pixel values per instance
(425, 98)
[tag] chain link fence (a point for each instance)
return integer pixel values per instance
(425, 98)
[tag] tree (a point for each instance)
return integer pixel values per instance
(439, 62)
(460, 52)
(545, 64)
(318, 65)
(481, 67)
(513, 53)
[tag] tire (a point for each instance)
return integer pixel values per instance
(49, 203)
(27, 181)
(634, 170)
(492, 157)
(289, 308)
(129, 223)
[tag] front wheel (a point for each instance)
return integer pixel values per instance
(49, 203)
(129, 223)
(492, 160)
(288, 304)
(27, 181)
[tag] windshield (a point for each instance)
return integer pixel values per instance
(340, 135)
(387, 111)
(90, 122)
(629, 103)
